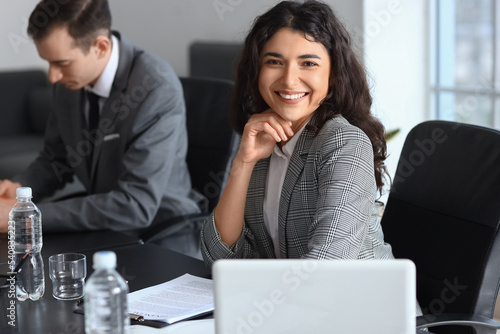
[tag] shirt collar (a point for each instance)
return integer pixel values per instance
(104, 84)
(290, 145)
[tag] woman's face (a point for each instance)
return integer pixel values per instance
(294, 75)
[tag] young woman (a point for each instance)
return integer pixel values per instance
(311, 159)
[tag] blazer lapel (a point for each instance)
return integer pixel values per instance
(254, 216)
(294, 171)
(112, 108)
(108, 113)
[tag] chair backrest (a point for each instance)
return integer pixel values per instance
(213, 59)
(212, 141)
(443, 213)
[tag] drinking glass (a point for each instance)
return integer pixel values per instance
(67, 272)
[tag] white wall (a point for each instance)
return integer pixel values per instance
(396, 56)
(16, 49)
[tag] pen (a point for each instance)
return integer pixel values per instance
(132, 316)
(16, 269)
(136, 317)
(19, 265)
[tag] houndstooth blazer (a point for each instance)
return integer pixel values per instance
(327, 205)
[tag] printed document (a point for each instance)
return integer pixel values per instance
(182, 298)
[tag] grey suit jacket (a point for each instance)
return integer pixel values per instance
(137, 173)
(327, 205)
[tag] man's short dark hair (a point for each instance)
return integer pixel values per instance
(85, 20)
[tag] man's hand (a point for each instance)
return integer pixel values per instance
(5, 207)
(7, 201)
(8, 189)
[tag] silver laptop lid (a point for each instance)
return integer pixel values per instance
(312, 296)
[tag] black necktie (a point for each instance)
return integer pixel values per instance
(93, 121)
(93, 110)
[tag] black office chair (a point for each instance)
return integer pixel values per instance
(443, 213)
(213, 59)
(212, 143)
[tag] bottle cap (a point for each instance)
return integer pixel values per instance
(104, 260)
(23, 192)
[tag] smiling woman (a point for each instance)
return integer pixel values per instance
(294, 76)
(311, 158)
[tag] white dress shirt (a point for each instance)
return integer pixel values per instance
(104, 84)
(278, 165)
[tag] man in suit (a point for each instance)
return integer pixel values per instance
(118, 125)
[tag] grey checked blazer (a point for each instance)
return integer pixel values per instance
(327, 206)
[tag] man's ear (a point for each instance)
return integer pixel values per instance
(102, 44)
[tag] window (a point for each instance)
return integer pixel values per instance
(465, 64)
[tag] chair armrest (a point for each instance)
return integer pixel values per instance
(475, 321)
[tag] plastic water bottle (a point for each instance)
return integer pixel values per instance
(26, 221)
(105, 303)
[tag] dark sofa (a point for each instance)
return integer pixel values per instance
(25, 102)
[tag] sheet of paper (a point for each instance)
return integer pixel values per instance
(182, 298)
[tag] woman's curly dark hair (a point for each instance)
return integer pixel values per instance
(348, 94)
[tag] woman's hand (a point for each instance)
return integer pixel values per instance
(261, 133)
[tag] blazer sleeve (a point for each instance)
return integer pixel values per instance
(346, 195)
(213, 248)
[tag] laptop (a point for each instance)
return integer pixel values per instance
(295, 296)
